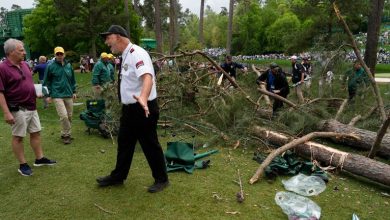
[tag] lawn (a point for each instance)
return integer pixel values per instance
(69, 191)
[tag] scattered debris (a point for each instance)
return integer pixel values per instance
(104, 210)
(232, 213)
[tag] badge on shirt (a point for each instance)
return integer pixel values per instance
(139, 64)
(126, 67)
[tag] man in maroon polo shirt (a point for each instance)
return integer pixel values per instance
(17, 100)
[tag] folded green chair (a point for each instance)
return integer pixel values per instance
(181, 156)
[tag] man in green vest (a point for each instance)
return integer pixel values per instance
(60, 81)
(101, 74)
(357, 79)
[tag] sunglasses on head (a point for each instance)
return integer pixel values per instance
(59, 54)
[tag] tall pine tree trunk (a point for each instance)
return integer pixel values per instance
(157, 25)
(201, 39)
(172, 26)
(374, 25)
(126, 2)
(230, 28)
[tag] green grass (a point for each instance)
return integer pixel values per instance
(69, 191)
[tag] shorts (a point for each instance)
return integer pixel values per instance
(25, 121)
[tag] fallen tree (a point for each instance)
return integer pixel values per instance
(365, 141)
(353, 163)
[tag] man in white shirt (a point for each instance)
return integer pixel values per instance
(140, 111)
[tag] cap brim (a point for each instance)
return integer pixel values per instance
(105, 34)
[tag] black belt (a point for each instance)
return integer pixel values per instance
(137, 103)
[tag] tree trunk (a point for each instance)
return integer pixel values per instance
(201, 39)
(126, 2)
(374, 25)
(172, 26)
(137, 9)
(230, 29)
(353, 163)
(366, 138)
(157, 25)
(92, 50)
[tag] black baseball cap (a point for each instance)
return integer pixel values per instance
(115, 29)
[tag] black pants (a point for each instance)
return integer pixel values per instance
(277, 104)
(134, 126)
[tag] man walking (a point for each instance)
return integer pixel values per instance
(60, 81)
(18, 102)
(140, 112)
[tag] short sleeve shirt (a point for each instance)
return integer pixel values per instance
(17, 85)
(136, 62)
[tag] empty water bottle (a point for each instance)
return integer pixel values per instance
(305, 185)
(297, 207)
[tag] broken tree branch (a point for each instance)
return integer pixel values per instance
(291, 145)
(273, 95)
(341, 109)
(353, 163)
(381, 133)
(359, 57)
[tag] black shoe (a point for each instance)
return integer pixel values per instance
(157, 187)
(108, 181)
(44, 162)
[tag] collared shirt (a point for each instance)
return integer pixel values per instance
(136, 62)
(17, 85)
(40, 69)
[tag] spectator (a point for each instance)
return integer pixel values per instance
(18, 102)
(40, 69)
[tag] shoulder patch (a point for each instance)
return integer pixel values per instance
(139, 64)
(131, 50)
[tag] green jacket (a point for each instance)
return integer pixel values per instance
(60, 80)
(101, 73)
(357, 78)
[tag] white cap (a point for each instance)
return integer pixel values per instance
(294, 57)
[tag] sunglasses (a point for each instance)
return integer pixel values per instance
(59, 54)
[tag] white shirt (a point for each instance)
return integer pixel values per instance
(135, 63)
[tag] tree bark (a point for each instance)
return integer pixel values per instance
(288, 146)
(381, 133)
(366, 138)
(172, 26)
(374, 25)
(201, 16)
(126, 2)
(157, 25)
(353, 163)
(230, 29)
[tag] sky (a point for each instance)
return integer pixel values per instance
(190, 4)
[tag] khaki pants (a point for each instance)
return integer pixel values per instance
(64, 107)
(298, 90)
(25, 121)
